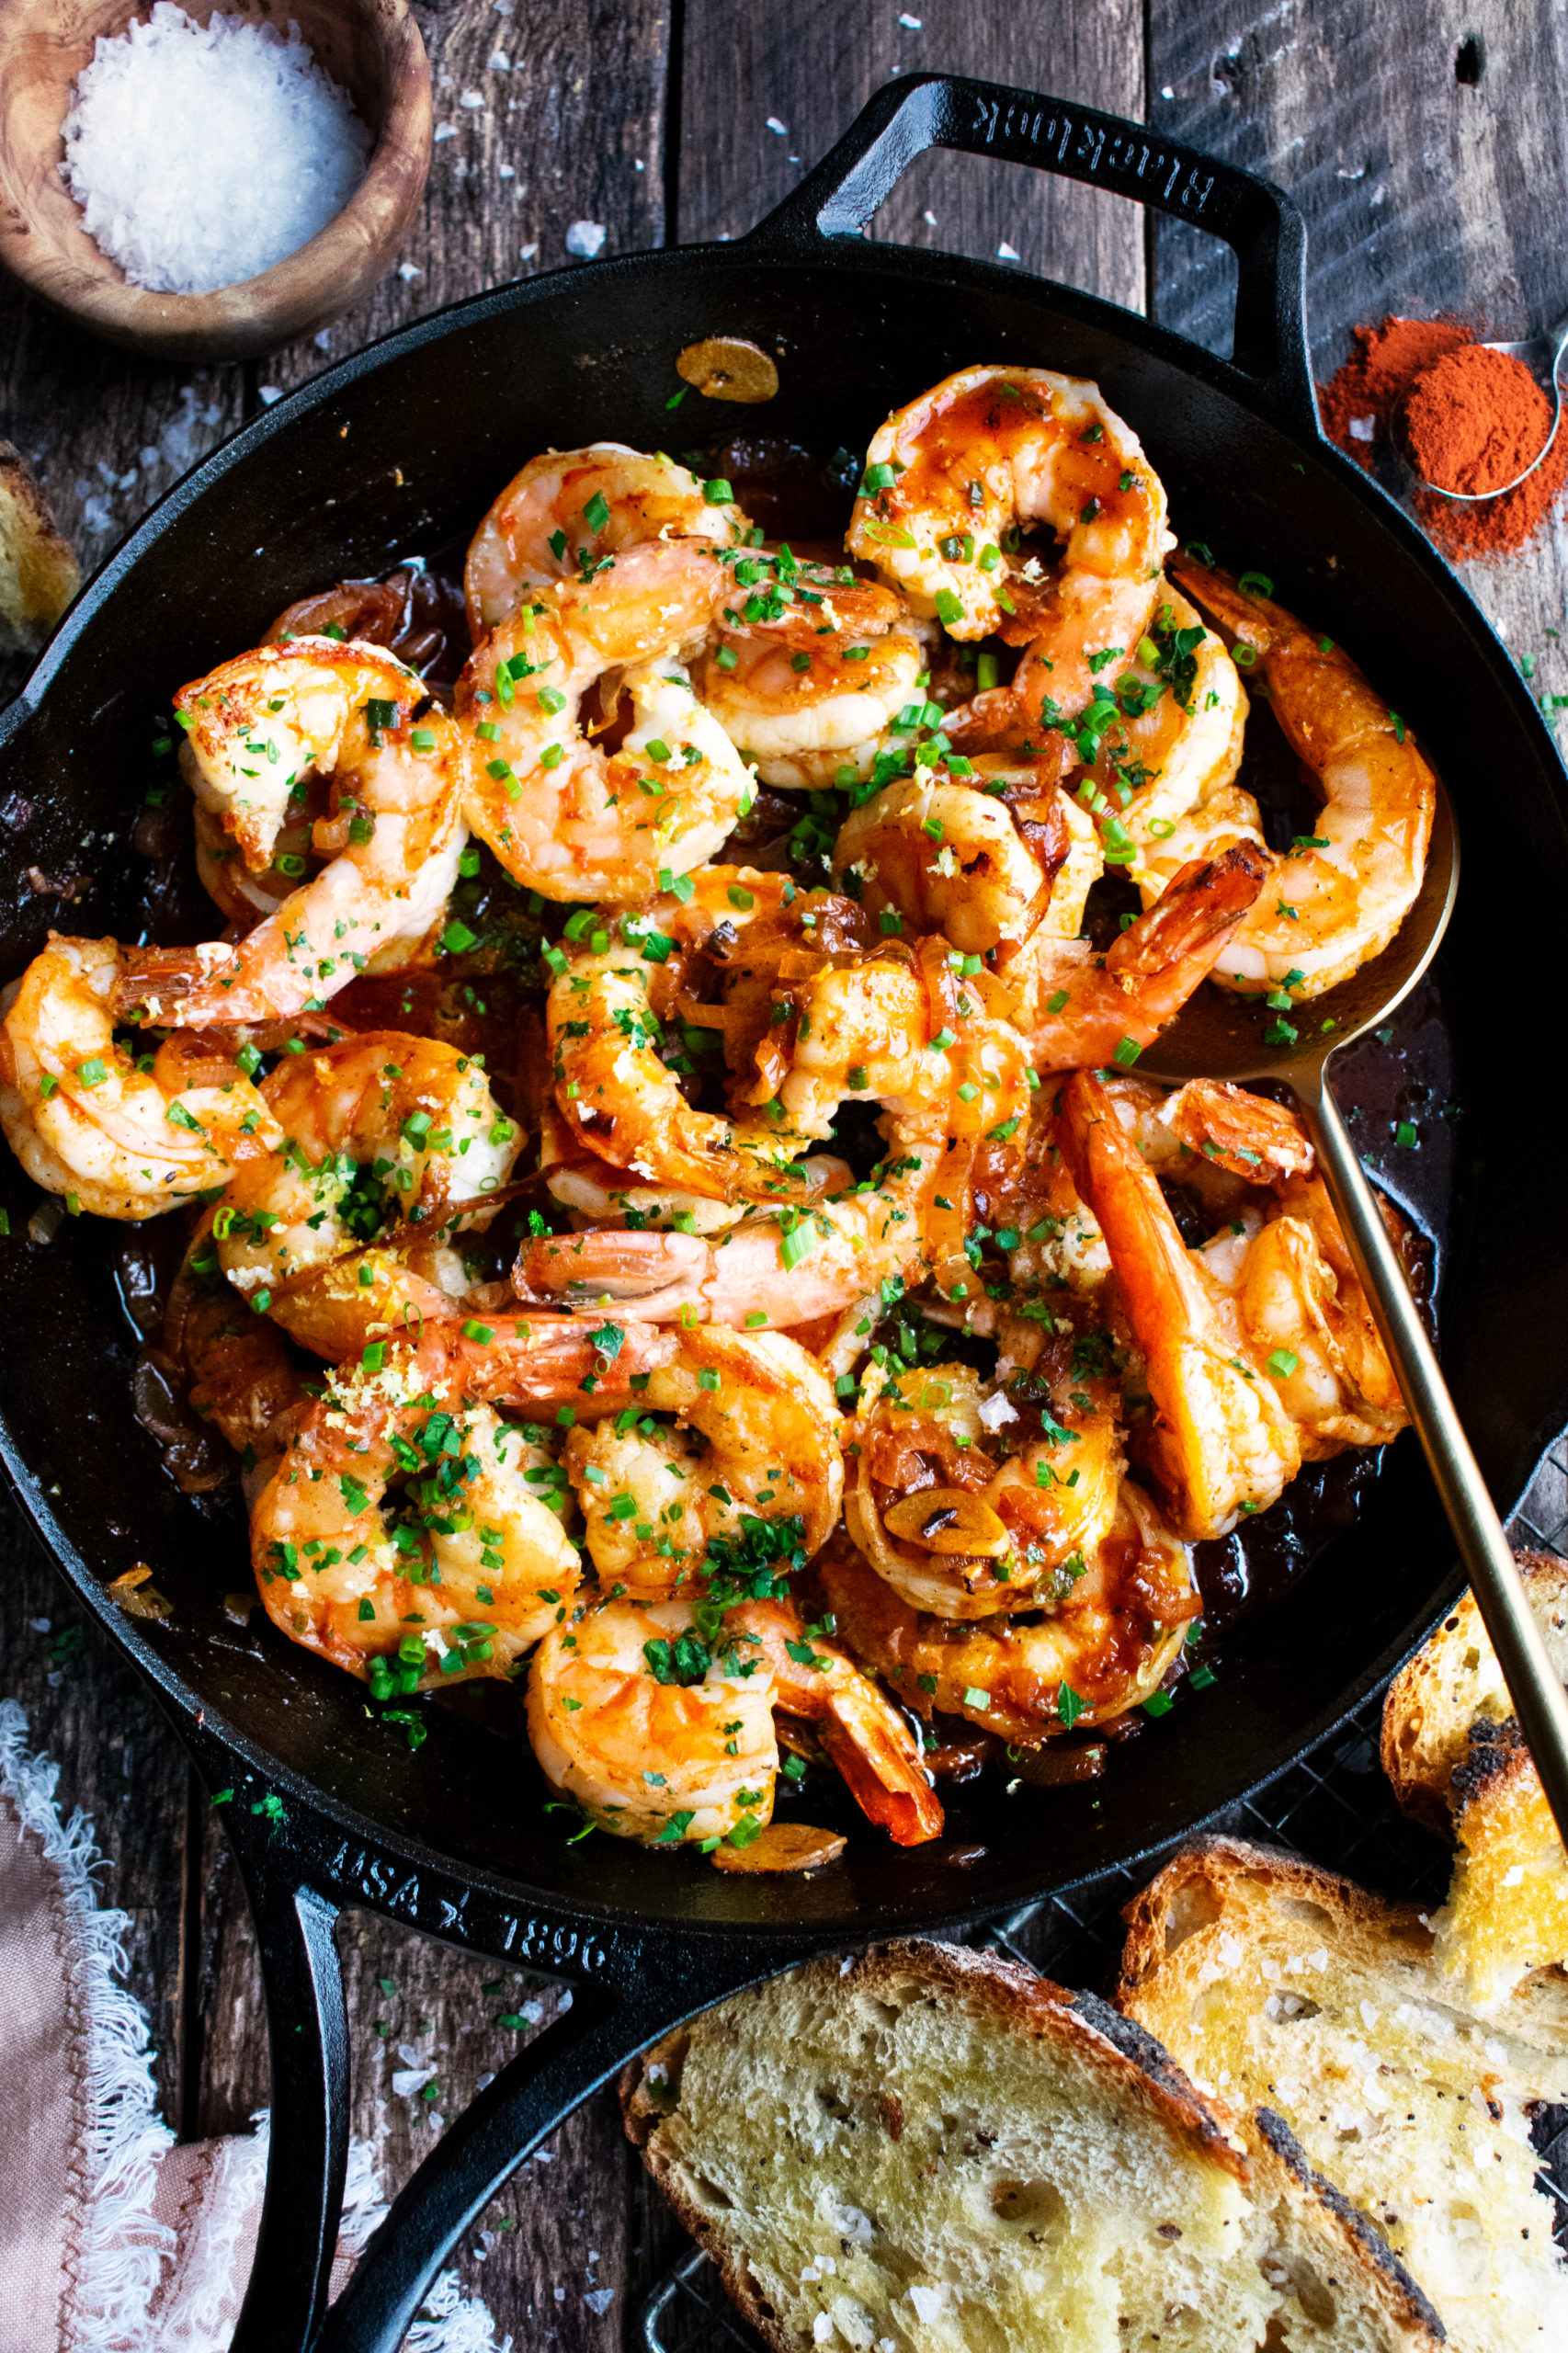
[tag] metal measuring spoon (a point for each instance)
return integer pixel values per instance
(1543, 355)
(1218, 1036)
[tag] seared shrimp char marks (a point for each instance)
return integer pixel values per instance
(954, 479)
(750, 1469)
(563, 815)
(810, 666)
(1337, 900)
(380, 1130)
(569, 511)
(124, 1135)
(257, 727)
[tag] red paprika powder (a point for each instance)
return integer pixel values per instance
(1463, 415)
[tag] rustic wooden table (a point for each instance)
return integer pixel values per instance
(1428, 147)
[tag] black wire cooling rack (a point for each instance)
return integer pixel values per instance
(1334, 1807)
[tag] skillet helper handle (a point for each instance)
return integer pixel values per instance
(307, 2154)
(1539, 1697)
(533, 2094)
(1257, 221)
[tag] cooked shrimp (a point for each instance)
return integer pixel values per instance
(1080, 1010)
(599, 1194)
(570, 510)
(1221, 1440)
(663, 1732)
(975, 1500)
(657, 1736)
(241, 1372)
(952, 480)
(379, 1129)
(562, 814)
(1104, 1646)
(257, 726)
(123, 1135)
(863, 1732)
(751, 1467)
(476, 1560)
(1337, 900)
(809, 669)
(984, 861)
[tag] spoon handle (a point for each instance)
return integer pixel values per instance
(1539, 1697)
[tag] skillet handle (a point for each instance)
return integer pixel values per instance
(1257, 221)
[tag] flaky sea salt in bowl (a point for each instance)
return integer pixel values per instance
(330, 126)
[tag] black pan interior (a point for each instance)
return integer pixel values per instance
(404, 447)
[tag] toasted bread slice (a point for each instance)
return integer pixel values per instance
(1277, 1984)
(39, 572)
(1507, 1908)
(1454, 1753)
(1454, 1679)
(927, 2147)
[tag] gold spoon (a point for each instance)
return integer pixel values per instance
(1217, 1036)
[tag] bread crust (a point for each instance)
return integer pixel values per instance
(1454, 1677)
(39, 572)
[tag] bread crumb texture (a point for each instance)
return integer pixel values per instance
(39, 572)
(1278, 1986)
(925, 2147)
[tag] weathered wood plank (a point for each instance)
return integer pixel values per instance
(810, 66)
(119, 1761)
(1418, 148)
(547, 112)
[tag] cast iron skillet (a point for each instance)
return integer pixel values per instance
(400, 448)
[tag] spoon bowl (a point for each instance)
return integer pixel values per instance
(1543, 355)
(1218, 1036)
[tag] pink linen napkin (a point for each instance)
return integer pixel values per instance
(113, 2237)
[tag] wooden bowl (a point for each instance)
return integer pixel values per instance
(370, 47)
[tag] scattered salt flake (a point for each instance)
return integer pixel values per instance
(1166, 91)
(598, 2300)
(1514, 1876)
(994, 1411)
(498, 62)
(443, 131)
(586, 239)
(482, 2083)
(506, 171)
(324, 341)
(822, 2329)
(531, 253)
(472, 99)
(1379, 193)
(560, 2295)
(929, 219)
(774, 124)
(1005, 252)
(1363, 428)
(927, 2302)
(408, 272)
(268, 394)
(270, 149)
(911, 24)
(408, 2081)
(1343, 172)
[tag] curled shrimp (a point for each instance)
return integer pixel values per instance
(660, 1723)
(126, 1136)
(238, 1371)
(953, 479)
(665, 1748)
(752, 1463)
(1221, 1440)
(809, 668)
(1081, 1009)
(380, 1130)
(568, 510)
(986, 858)
(564, 814)
(977, 1499)
(1099, 1645)
(257, 727)
(1337, 899)
(471, 1566)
